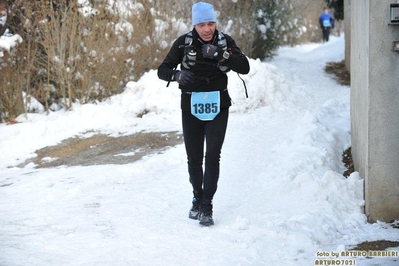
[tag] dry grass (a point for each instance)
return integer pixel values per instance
(339, 72)
(69, 57)
(348, 161)
(376, 245)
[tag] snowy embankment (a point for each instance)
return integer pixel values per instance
(281, 196)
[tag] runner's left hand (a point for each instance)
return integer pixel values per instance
(212, 51)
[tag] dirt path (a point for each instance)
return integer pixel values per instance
(103, 149)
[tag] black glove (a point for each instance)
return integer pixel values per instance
(212, 51)
(184, 77)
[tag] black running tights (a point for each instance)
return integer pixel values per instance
(196, 133)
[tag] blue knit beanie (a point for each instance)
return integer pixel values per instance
(202, 13)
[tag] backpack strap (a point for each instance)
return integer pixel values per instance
(189, 38)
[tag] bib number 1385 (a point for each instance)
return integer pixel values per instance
(205, 105)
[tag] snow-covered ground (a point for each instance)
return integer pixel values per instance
(281, 200)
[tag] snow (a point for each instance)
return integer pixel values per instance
(7, 42)
(281, 199)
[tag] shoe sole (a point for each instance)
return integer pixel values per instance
(206, 223)
(193, 216)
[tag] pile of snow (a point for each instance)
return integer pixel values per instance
(8, 41)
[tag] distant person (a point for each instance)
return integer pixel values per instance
(205, 55)
(326, 23)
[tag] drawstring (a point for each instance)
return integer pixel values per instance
(245, 86)
(167, 85)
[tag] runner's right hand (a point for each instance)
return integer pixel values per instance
(184, 77)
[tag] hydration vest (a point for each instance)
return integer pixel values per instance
(190, 53)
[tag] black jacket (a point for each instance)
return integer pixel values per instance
(207, 74)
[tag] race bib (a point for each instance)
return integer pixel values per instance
(326, 23)
(205, 105)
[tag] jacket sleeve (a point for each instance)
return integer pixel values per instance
(167, 69)
(237, 61)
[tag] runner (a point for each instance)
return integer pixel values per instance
(205, 55)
